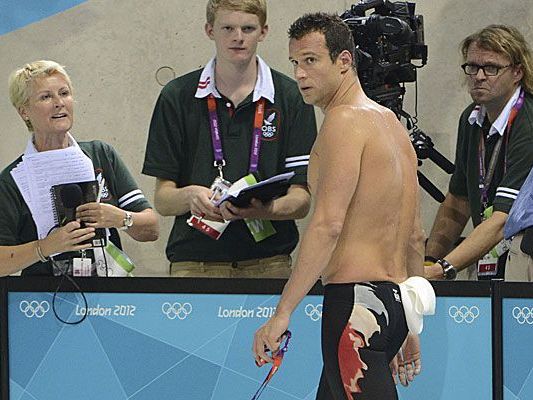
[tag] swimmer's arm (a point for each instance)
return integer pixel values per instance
(340, 148)
(408, 362)
(415, 250)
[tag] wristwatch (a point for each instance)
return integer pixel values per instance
(448, 270)
(127, 222)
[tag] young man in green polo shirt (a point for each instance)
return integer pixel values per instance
(493, 157)
(233, 117)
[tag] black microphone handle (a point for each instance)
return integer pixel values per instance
(71, 196)
(429, 187)
(440, 160)
(70, 215)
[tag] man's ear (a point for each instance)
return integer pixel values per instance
(346, 60)
(264, 32)
(518, 73)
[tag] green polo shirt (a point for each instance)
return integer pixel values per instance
(17, 225)
(179, 149)
(505, 183)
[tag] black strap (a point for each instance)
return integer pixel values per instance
(527, 241)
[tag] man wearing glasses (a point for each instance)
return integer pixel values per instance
(494, 154)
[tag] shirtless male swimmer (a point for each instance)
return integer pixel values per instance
(364, 237)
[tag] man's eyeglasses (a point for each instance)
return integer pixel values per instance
(488, 70)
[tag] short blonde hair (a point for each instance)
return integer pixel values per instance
(508, 41)
(21, 81)
(256, 7)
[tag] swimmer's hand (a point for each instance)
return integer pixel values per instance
(407, 363)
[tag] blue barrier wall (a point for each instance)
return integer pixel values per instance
(517, 334)
(149, 345)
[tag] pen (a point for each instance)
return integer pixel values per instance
(100, 189)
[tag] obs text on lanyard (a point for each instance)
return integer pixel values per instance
(486, 177)
(217, 142)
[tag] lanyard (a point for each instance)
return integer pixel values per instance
(278, 358)
(485, 177)
(217, 141)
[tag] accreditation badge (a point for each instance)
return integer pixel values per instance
(81, 266)
(213, 229)
(488, 265)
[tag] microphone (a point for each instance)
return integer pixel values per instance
(71, 197)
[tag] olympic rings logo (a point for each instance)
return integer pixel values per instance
(34, 308)
(523, 315)
(176, 310)
(314, 312)
(463, 314)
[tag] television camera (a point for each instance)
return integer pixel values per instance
(387, 42)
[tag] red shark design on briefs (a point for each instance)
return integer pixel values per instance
(350, 363)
